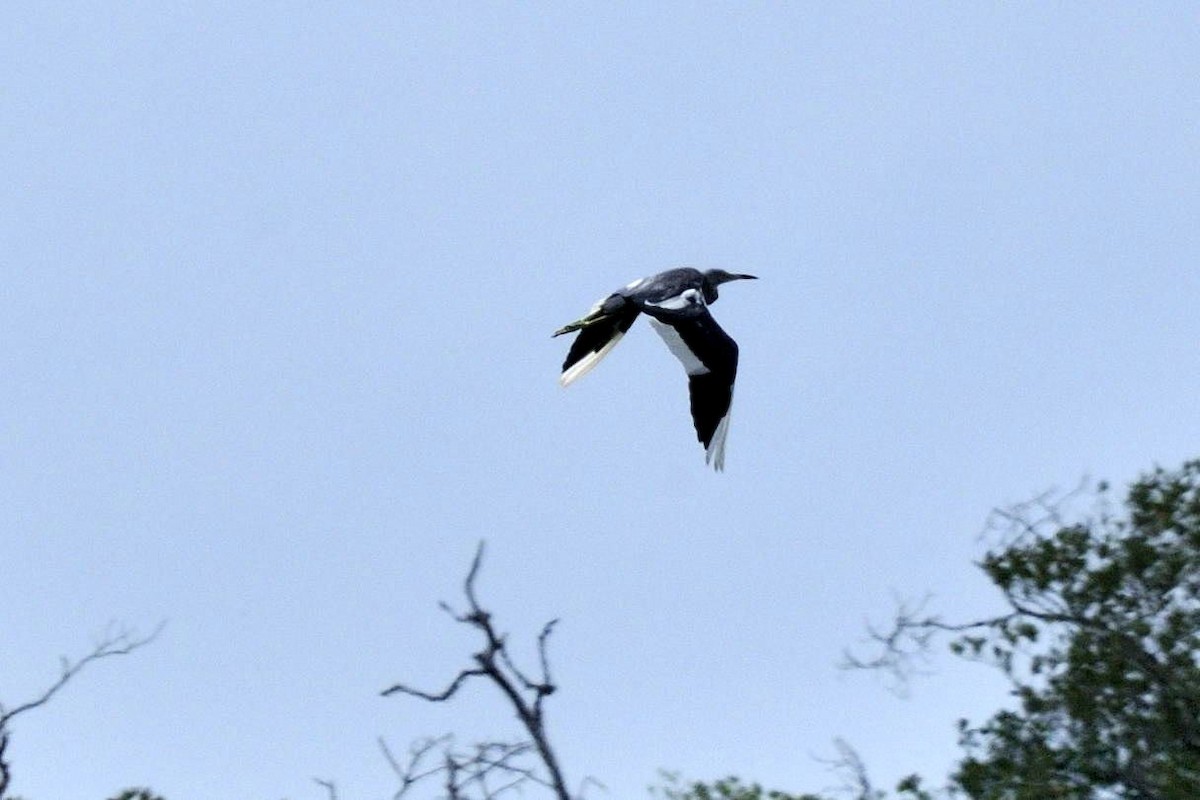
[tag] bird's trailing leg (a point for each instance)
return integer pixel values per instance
(603, 311)
(583, 322)
(599, 332)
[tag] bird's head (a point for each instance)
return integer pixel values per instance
(715, 277)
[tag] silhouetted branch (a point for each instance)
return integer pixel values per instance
(5, 773)
(113, 642)
(490, 769)
(849, 766)
(901, 647)
(1020, 522)
(443, 695)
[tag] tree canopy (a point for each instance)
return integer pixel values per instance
(1101, 643)
(1100, 638)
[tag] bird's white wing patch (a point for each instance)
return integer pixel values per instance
(586, 364)
(688, 297)
(691, 364)
(629, 287)
(716, 448)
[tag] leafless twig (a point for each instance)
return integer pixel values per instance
(113, 642)
(902, 648)
(1020, 522)
(490, 769)
(849, 767)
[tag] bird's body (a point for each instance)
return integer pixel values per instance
(677, 303)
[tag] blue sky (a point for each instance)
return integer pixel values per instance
(279, 283)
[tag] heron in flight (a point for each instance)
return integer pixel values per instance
(677, 303)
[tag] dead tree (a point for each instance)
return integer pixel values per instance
(490, 769)
(114, 642)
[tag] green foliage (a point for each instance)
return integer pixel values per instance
(1103, 648)
(732, 788)
(129, 794)
(1101, 640)
(725, 789)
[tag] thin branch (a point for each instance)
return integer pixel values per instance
(524, 694)
(119, 644)
(849, 767)
(112, 643)
(5, 772)
(900, 647)
(590, 781)
(545, 686)
(414, 770)
(416, 755)
(1019, 522)
(471, 575)
(439, 697)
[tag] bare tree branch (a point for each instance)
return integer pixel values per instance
(330, 787)
(494, 768)
(490, 768)
(848, 766)
(113, 642)
(851, 763)
(119, 643)
(5, 772)
(902, 647)
(414, 770)
(441, 696)
(1020, 522)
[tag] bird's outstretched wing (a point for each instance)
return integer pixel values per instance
(710, 358)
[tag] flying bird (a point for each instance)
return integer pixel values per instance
(677, 303)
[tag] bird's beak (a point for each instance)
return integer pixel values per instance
(746, 277)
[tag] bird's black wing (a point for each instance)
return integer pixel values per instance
(596, 340)
(710, 357)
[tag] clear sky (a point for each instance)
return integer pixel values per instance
(278, 287)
